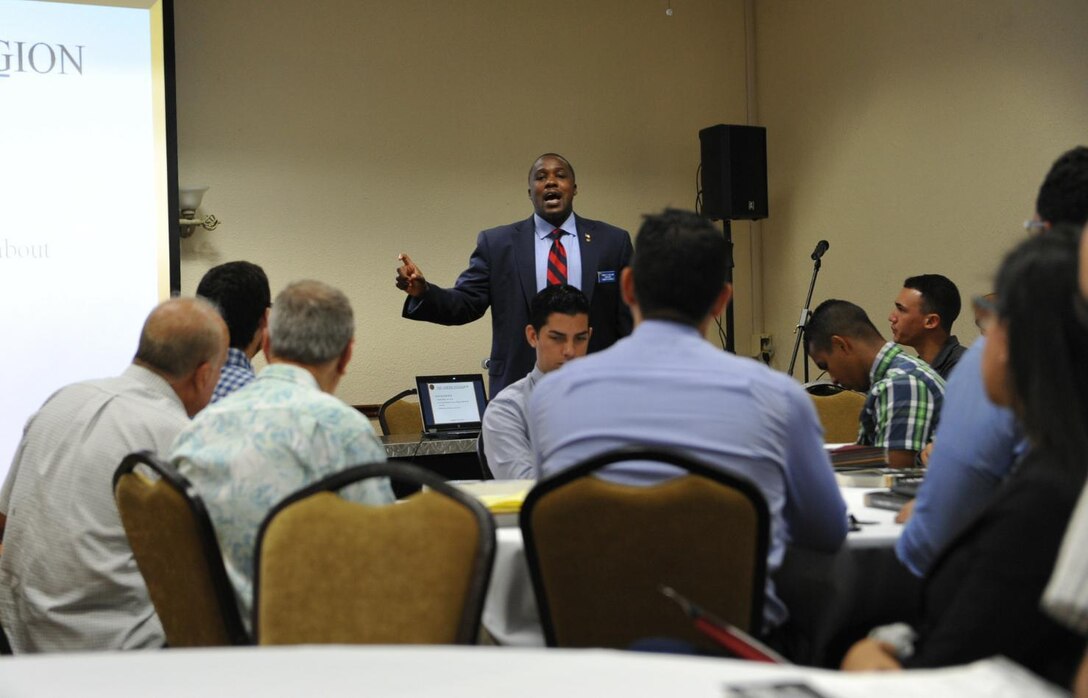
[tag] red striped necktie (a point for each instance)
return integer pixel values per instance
(557, 260)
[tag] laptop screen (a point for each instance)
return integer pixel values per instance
(451, 402)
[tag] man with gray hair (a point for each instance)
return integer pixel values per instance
(283, 431)
(68, 580)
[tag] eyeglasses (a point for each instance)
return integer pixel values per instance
(1034, 227)
(984, 304)
(985, 312)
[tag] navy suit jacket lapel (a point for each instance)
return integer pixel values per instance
(590, 256)
(525, 257)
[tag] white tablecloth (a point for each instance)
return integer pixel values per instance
(463, 672)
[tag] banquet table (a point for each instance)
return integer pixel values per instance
(470, 672)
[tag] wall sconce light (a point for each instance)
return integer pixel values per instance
(189, 201)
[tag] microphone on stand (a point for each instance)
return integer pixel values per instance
(802, 322)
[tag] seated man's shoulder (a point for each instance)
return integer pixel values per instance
(618, 362)
(783, 395)
(760, 375)
(331, 410)
(100, 389)
(508, 399)
(917, 365)
(908, 368)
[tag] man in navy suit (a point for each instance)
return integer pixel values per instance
(513, 262)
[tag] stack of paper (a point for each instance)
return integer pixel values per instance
(503, 498)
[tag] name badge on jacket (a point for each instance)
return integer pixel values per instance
(606, 277)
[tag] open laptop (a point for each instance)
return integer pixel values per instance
(452, 405)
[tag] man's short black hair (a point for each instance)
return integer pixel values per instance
(939, 295)
(1063, 197)
(679, 266)
(240, 290)
(556, 299)
(836, 317)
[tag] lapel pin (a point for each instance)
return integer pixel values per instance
(588, 238)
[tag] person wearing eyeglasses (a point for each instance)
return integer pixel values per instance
(978, 442)
(981, 597)
(983, 316)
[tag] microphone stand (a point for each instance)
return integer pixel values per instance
(730, 342)
(802, 321)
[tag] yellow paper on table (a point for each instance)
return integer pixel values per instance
(499, 496)
(503, 503)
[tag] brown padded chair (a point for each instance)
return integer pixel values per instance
(172, 538)
(398, 415)
(598, 551)
(839, 411)
(328, 570)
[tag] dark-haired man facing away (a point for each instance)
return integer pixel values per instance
(922, 319)
(665, 385)
(68, 580)
(240, 291)
(559, 331)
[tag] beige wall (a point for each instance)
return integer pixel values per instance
(335, 134)
(913, 136)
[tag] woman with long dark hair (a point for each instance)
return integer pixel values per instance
(982, 595)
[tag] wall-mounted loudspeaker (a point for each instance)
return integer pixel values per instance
(734, 172)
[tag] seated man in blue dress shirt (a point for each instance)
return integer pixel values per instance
(665, 385)
(904, 397)
(559, 331)
(283, 431)
(240, 291)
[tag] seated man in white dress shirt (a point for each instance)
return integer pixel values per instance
(559, 331)
(68, 579)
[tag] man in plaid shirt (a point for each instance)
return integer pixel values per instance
(904, 393)
(240, 291)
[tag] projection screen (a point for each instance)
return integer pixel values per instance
(88, 181)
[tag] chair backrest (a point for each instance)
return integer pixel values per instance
(172, 538)
(599, 551)
(840, 414)
(400, 416)
(328, 570)
(485, 470)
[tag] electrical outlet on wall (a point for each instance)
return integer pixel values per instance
(764, 345)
